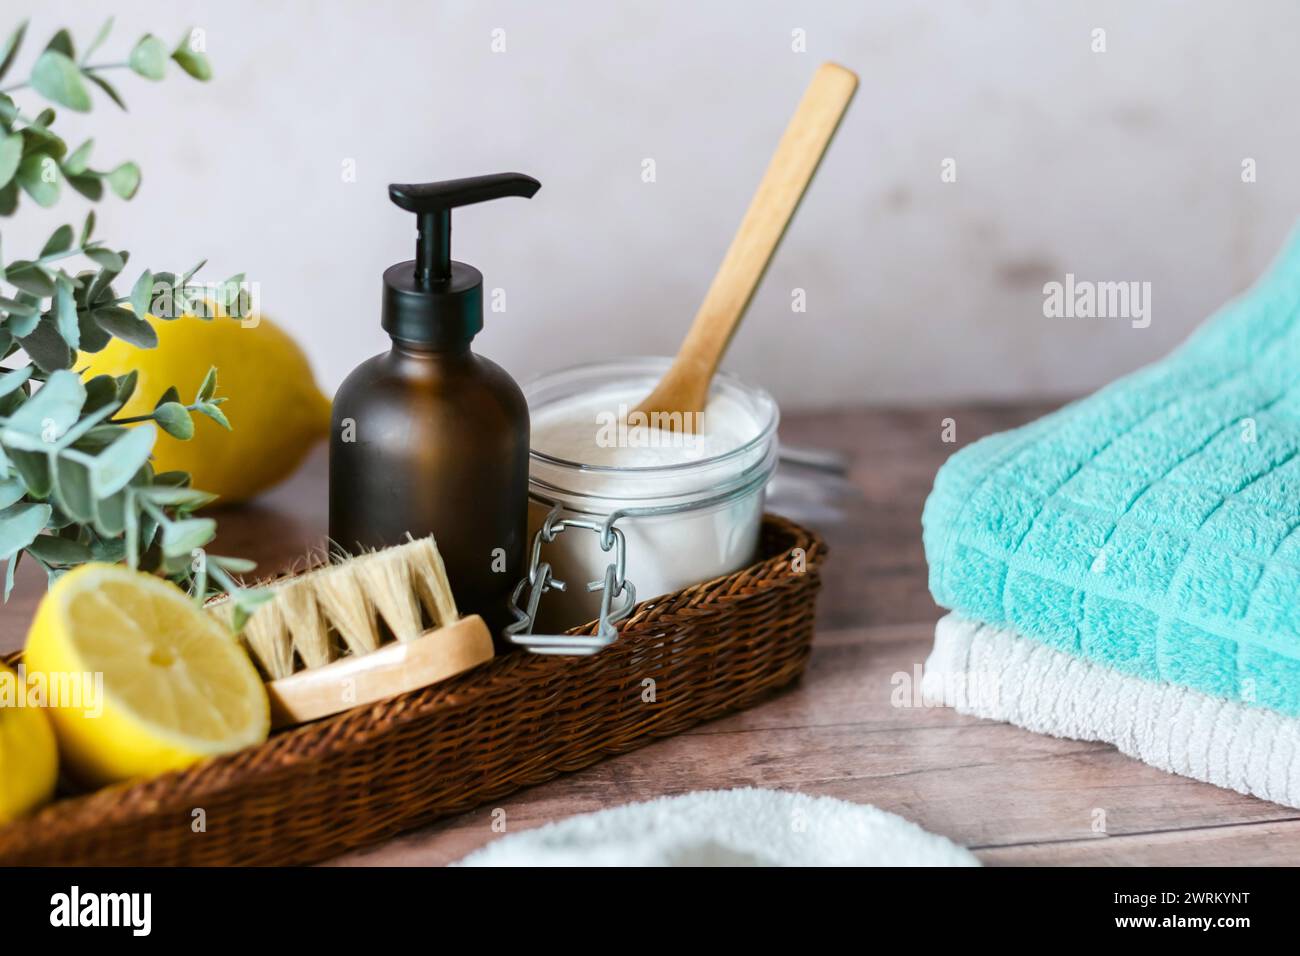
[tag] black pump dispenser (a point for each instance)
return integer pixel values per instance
(433, 301)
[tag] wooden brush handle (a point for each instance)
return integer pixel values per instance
(394, 669)
(787, 177)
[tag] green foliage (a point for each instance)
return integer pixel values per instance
(76, 483)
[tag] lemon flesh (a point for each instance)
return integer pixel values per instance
(275, 408)
(176, 686)
(29, 758)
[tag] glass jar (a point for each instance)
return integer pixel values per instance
(612, 535)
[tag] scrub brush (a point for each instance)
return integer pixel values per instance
(354, 632)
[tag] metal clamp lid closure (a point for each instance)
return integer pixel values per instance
(614, 586)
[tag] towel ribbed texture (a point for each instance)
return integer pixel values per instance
(997, 674)
(1152, 527)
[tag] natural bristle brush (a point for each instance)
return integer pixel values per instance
(357, 631)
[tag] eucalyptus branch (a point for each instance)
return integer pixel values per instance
(85, 68)
(76, 483)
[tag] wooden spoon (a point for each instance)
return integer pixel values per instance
(684, 390)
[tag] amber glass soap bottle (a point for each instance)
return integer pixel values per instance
(430, 437)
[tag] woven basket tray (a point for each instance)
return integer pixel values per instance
(363, 776)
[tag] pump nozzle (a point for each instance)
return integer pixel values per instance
(433, 301)
(432, 203)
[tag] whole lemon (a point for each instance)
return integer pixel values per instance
(275, 408)
(29, 757)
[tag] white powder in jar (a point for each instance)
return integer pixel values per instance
(715, 499)
(603, 429)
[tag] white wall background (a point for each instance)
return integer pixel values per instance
(1120, 165)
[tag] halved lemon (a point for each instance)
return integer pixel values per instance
(29, 760)
(141, 681)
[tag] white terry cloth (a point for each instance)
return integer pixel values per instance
(743, 827)
(998, 674)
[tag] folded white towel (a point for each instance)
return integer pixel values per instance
(745, 827)
(998, 674)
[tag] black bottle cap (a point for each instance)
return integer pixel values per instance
(432, 300)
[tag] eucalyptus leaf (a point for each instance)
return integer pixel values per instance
(232, 565)
(10, 567)
(126, 325)
(11, 154)
(171, 394)
(62, 42)
(87, 228)
(92, 187)
(64, 552)
(84, 426)
(39, 176)
(192, 62)
(116, 464)
(214, 413)
(11, 490)
(142, 293)
(149, 57)
(46, 347)
(125, 180)
(57, 78)
(30, 277)
(131, 530)
(126, 385)
(100, 37)
(175, 420)
(60, 241)
(176, 497)
(65, 313)
(106, 258)
(172, 479)
(9, 52)
(23, 322)
(100, 289)
(185, 278)
(14, 307)
(53, 409)
(93, 338)
(209, 386)
(12, 380)
(108, 88)
(8, 199)
(19, 526)
(34, 469)
(110, 550)
(72, 489)
(181, 538)
(100, 391)
(75, 164)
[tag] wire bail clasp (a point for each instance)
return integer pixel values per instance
(540, 579)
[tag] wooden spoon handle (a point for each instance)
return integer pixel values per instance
(787, 177)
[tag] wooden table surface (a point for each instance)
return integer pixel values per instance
(1014, 797)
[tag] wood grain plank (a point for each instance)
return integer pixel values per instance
(843, 732)
(1271, 843)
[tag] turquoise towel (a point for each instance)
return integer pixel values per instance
(1151, 527)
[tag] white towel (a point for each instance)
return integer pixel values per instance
(744, 827)
(998, 674)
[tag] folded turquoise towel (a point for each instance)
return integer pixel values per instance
(1151, 527)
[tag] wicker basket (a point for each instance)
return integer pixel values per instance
(366, 775)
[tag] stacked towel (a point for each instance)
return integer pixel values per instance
(1151, 528)
(997, 674)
